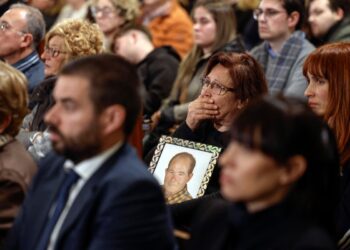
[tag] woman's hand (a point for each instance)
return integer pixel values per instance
(203, 108)
(155, 119)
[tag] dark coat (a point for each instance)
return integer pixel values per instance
(157, 72)
(221, 225)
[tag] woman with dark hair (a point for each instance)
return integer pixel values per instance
(214, 30)
(230, 81)
(279, 182)
(328, 75)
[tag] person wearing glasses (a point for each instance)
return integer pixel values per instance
(285, 47)
(63, 43)
(230, 81)
(214, 30)
(21, 30)
(112, 15)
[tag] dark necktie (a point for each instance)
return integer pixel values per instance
(70, 178)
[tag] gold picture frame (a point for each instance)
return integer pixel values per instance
(205, 155)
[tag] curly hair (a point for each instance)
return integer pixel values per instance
(129, 9)
(81, 38)
(13, 98)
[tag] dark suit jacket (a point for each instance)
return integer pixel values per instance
(120, 207)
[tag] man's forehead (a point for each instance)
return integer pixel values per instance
(15, 14)
(71, 85)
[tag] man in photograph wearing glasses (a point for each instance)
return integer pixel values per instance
(21, 29)
(285, 47)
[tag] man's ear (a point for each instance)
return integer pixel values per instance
(5, 123)
(27, 40)
(294, 169)
(339, 14)
(112, 119)
(293, 20)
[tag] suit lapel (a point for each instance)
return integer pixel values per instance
(86, 194)
(42, 202)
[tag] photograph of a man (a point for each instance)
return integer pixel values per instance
(177, 175)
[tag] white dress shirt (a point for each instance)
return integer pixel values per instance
(85, 170)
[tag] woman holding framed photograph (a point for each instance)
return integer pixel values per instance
(231, 80)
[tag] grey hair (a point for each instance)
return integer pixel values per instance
(35, 22)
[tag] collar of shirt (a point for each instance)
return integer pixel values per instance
(88, 167)
(27, 62)
(271, 52)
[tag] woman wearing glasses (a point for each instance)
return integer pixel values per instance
(230, 81)
(214, 30)
(112, 15)
(64, 42)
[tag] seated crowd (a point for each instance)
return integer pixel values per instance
(174, 124)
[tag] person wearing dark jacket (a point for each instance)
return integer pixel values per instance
(278, 183)
(157, 67)
(214, 30)
(230, 81)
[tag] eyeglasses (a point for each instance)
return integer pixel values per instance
(53, 52)
(105, 11)
(268, 13)
(4, 26)
(216, 88)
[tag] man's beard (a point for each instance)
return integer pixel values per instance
(83, 146)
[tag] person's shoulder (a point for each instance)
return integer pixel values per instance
(162, 56)
(126, 166)
(257, 49)
(307, 47)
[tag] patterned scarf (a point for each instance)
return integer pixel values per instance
(279, 69)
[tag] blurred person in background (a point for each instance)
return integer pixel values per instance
(65, 42)
(169, 24)
(16, 166)
(157, 67)
(329, 21)
(112, 15)
(285, 48)
(22, 28)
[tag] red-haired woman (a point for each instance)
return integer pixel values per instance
(327, 70)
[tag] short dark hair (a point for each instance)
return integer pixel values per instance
(334, 5)
(137, 27)
(113, 80)
(283, 127)
(246, 73)
(298, 6)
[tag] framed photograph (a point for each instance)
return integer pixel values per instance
(183, 168)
